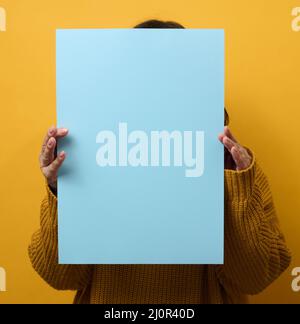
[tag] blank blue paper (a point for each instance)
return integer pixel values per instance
(151, 80)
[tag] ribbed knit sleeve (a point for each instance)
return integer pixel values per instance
(255, 249)
(43, 252)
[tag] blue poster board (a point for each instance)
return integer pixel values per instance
(143, 180)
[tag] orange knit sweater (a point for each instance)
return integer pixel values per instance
(255, 255)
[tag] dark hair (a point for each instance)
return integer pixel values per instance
(153, 23)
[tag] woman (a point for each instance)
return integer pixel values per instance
(255, 249)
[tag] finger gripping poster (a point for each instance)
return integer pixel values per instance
(143, 180)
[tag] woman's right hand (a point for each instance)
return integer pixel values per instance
(49, 161)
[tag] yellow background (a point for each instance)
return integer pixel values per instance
(262, 96)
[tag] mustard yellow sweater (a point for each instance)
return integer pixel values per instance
(255, 255)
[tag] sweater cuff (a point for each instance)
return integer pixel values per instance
(239, 184)
(52, 204)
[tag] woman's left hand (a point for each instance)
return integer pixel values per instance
(236, 156)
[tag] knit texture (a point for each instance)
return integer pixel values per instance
(255, 255)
